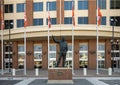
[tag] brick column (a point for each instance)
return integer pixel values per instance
(29, 55)
(58, 11)
(29, 12)
(107, 54)
(92, 11)
(76, 54)
(15, 54)
(45, 54)
(92, 54)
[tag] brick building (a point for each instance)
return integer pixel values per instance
(61, 20)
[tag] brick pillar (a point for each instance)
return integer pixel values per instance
(92, 11)
(29, 12)
(60, 13)
(29, 55)
(15, 54)
(45, 55)
(92, 54)
(76, 54)
(107, 54)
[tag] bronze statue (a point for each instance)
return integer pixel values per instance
(63, 50)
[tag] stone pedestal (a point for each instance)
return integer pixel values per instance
(60, 75)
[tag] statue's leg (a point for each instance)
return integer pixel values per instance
(64, 60)
(59, 59)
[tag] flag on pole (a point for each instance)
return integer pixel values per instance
(99, 16)
(49, 20)
(73, 17)
(2, 18)
(25, 19)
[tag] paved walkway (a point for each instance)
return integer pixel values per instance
(76, 80)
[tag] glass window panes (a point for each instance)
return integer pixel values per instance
(20, 23)
(68, 20)
(69, 47)
(52, 6)
(20, 7)
(52, 47)
(82, 20)
(67, 5)
(101, 55)
(83, 53)
(52, 56)
(37, 55)
(9, 8)
(103, 21)
(102, 4)
(8, 24)
(37, 22)
(20, 48)
(37, 48)
(82, 4)
(101, 47)
(53, 21)
(114, 4)
(117, 22)
(83, 47)
(21, 56)
(38, 6)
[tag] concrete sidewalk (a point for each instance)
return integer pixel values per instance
(77, 73)
(76, 81)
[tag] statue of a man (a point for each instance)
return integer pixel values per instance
(63, 50)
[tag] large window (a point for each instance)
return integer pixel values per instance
(83, 51)
(114, 4)
(20, 7)
(102, 4)
(82, 4)
(37, 55)
(8, 24)
(68, 20)
(53, 21)
(68, 5)
(38, 22)
(52, 6)
(101, 55)
(20, 23)
(38, 6)
(69, 56)
(82, 20)
(117, 20)
(52, 56)
(9, 8)
(21, 56)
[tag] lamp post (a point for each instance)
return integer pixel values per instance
(113, 21)
(9, 46)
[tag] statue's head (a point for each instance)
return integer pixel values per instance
(63, 39)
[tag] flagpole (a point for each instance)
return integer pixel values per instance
(2, 49)
(2, 28)
(25, 46)
(72, 40)
(97, 70)
(48, 34)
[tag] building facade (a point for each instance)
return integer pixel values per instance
(61, 25)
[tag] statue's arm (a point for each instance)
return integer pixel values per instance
(57, 41)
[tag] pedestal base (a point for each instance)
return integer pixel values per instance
(60, 75)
